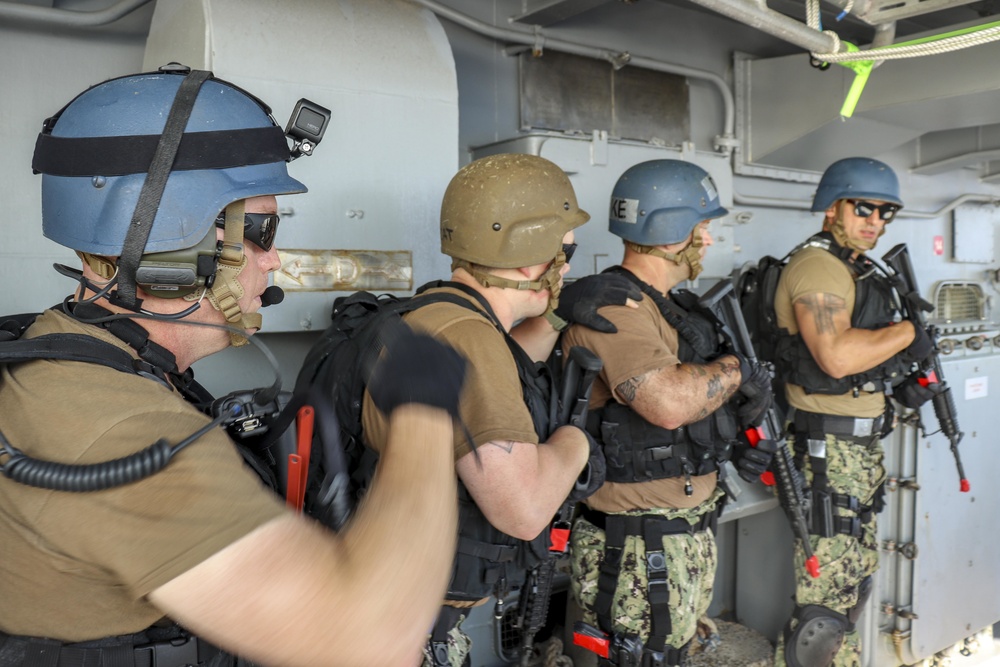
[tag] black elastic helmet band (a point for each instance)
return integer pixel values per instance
(119, 156)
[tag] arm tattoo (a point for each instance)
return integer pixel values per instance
(506, 445)
(714, 387)
(630, 387)
(823, 312)
(720, 384)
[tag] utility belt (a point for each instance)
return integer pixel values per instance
(861, 430)
(123, 651)
(810, 430)
(633, 524)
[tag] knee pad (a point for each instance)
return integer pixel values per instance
(816, 639)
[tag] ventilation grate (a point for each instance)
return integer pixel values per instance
(508, 632)
(959, 302)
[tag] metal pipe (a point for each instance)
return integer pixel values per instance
(773, 23)
(724, 143)
(10, 11)
(805, 205)
(957, 162)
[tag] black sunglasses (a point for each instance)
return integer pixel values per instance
(865, 208)
(568, 249)
(258, 228)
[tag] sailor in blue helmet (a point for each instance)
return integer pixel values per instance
(666, 407)
(127, 516)
(837, 356)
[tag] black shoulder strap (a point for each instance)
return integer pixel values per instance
(156, 363)
(676, 311)
(529, 371)
(67, 347)
(450, 298)
(672, 312)
(15, 349)
(861, 266)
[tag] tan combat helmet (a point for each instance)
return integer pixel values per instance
(508, 211)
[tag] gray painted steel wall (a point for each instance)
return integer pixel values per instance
(44, 67)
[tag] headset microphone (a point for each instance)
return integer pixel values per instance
(271, 296)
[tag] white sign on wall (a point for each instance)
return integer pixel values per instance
(977, 387)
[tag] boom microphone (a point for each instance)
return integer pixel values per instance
(271, 296)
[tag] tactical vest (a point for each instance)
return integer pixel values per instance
(637, 451)
(487, 560)
(874, 308)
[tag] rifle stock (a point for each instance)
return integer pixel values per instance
(914, 306)
(579, 373)
(722, 304)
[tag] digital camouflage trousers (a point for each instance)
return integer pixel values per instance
(459, 645)
(853, 469)
(691, 563)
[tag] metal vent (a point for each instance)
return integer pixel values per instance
(507, 640)
(956, 302)
(570, 93)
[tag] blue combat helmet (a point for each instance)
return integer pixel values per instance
(95, 157)
(661, 201)
(857, 178)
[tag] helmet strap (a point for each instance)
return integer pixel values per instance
(551, 280)
(840, 233)
(152, 189)
(690, 255)
(102, 266)
(232, 234)
(490, 280)
(226, 290)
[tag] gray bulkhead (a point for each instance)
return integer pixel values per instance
(418, 89)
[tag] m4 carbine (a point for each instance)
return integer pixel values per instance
(721, 304)
(914, 307)
(581, 369)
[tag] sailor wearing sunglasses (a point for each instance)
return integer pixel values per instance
(838, 354)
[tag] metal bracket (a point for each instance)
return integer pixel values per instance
(599, 148)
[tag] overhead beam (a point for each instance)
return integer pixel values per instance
(550, 12)
(957, 162)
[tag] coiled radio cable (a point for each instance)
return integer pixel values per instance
(97, 476)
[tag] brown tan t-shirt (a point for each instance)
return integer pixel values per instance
(812, 271)
(492, 402)
(77, 566)
(644, 342)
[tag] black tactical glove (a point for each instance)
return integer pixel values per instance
(580, 299)
(911, 394)
(416, 368)
(752, 462)
(593, 474)
(755, 394)
(922, 345)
